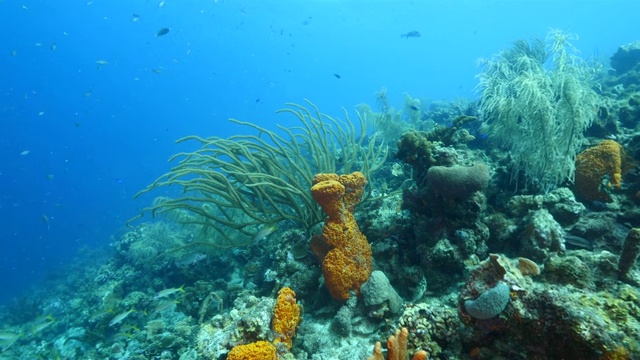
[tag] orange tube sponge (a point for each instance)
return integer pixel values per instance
(354, 189)
(328, 194)
(597, 169)
(346, 259)
(286, 316)
(262, 350)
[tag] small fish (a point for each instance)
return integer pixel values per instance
(578, 242)
(42, 323)
(414, 33)
(41, 113)
(120, 317)
(7, 339)
(7, 335)
(45, 219)
(25, 152)
(190, 260)
(163, 306)
(54, 47)
(264, 232)
(337, 76)
(257, 100)
(162, 32)
(135, 17)
(158, 70)
(166, 292)
(14, 52)
(414, 108)
(161, 4)
(99, 314)
(102, 62)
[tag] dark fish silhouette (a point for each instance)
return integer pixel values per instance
(337, 76)
(413, 33)
(163, 32)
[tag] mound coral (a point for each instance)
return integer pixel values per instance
(342, 249)
(262, 350)
(286, 316)
(598, 170)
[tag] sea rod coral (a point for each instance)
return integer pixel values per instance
(233, 187)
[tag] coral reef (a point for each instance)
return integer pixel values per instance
(465, 263)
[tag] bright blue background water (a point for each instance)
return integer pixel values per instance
(96, 134)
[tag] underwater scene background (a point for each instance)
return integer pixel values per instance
(399, 179)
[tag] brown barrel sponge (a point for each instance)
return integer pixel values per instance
(458, 182)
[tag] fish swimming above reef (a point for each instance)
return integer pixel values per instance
(42, 323)
(166, 292)
(120, 317)
(264, 232)
(7, 339)
(162, 32)
(411, 34)
(190, 259)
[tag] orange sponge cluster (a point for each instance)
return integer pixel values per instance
(598, 169)
(286, 316)
(342, 249)
(262, 350)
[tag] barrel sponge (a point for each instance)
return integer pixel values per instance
(599, 168)
(458, 182)
(490, 303)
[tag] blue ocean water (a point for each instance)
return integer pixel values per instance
(92, 99)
